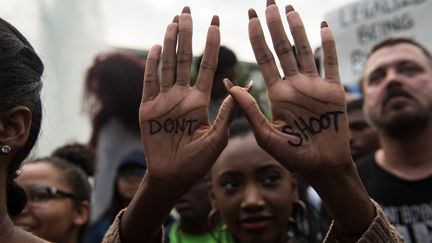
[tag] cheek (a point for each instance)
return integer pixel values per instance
(228, 206)
(281, 205)
(54, 216)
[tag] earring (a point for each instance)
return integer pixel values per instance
(5, 149)
(299, 212)
(214, 219)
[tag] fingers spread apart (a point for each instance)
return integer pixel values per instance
(304, 51)
(210, 58)
(281, 44)
(184, 52)
(331, 68)
(263, 55)
(151, 82)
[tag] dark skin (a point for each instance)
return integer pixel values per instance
(14, 131)
(193, 208)
(174, 169)
(363, 138)
(325, 159)
(177, 160)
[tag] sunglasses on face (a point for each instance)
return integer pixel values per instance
(42, 193)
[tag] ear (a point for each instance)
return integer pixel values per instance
(15, 126)
(82, 213)
(212, 196)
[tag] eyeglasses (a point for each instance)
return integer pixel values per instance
(42, 193)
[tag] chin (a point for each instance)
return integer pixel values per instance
(405, 126)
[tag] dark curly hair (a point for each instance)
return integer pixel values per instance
(79, 154)
(113, 87)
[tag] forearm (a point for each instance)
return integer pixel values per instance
(143, 219)
(346, 200)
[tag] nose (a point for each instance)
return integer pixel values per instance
(392, 77)
(252, 199)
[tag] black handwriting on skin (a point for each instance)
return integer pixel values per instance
(172, 126)
(313, 126)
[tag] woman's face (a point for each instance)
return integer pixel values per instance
(253, 192)
(50, 212)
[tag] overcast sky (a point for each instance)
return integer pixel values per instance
(141, 23)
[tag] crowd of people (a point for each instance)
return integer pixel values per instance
(178, 159)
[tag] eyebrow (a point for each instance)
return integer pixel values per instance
(259, 170)
(396, 63)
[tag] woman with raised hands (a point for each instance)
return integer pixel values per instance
(308, 132)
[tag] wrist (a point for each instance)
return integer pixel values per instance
(339, 172)
(345, 198)
(173, 187)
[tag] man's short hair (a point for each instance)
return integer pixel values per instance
(400, 40)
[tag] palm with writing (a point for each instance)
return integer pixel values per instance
(309, 131)
(179, 142)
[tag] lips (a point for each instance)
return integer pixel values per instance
(396, 93)
(255, 223)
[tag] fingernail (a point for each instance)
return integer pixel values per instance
(248, 87)
(289, 8)
(215, 21)
(270, 2)
(252, 14)
(186, 10)
(324, 24)
(176, 19)
(228, 84)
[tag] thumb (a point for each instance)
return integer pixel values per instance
(224, 116)
(252, 111)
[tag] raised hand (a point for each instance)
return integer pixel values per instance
(179, 142)
(309, 131)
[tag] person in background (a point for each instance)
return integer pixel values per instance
(79, 154)
(193, 225)
(58, 206)
(363, 137)
(112, 96)
(226, 68)
(179, 157)
(128, 177)
(397, 89)
(21, 70)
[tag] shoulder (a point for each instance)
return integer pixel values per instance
(380, 230)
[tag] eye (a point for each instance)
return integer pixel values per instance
(230, 185)
(271, 179)
(39, 195)
(375, 77)
(409, 69)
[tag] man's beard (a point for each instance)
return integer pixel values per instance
(402, 125)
